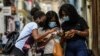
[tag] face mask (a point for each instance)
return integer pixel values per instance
(65, 18)
(52, 24)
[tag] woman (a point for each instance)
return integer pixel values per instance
(76, 31)
(52, 21)
(25, 40)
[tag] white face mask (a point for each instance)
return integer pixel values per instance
(52, 24)
(65, 18)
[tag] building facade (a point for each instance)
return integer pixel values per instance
(96, 26)
(2, 25)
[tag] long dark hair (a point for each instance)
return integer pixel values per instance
(49, 16)
(71, 12)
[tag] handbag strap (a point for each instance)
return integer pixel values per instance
(23, 37)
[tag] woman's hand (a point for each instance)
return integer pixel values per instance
(70, 34)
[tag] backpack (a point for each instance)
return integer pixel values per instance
(12, 37)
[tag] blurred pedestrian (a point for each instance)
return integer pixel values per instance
(11, 24)
(76, 31)
(4, 39)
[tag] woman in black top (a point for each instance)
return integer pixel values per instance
(75, 29)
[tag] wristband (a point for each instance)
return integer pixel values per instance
(78, 32)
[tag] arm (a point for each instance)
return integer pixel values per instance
(84, 33)
(84, 26)
(71, 33)
(38, 37)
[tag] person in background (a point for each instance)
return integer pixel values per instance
(11, 24)
(4, 39)
(75, 31)
(31, 29)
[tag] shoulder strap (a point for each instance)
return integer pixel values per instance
(23, 37)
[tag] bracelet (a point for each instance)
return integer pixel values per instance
(78, 32)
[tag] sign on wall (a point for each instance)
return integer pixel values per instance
(7, 11)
